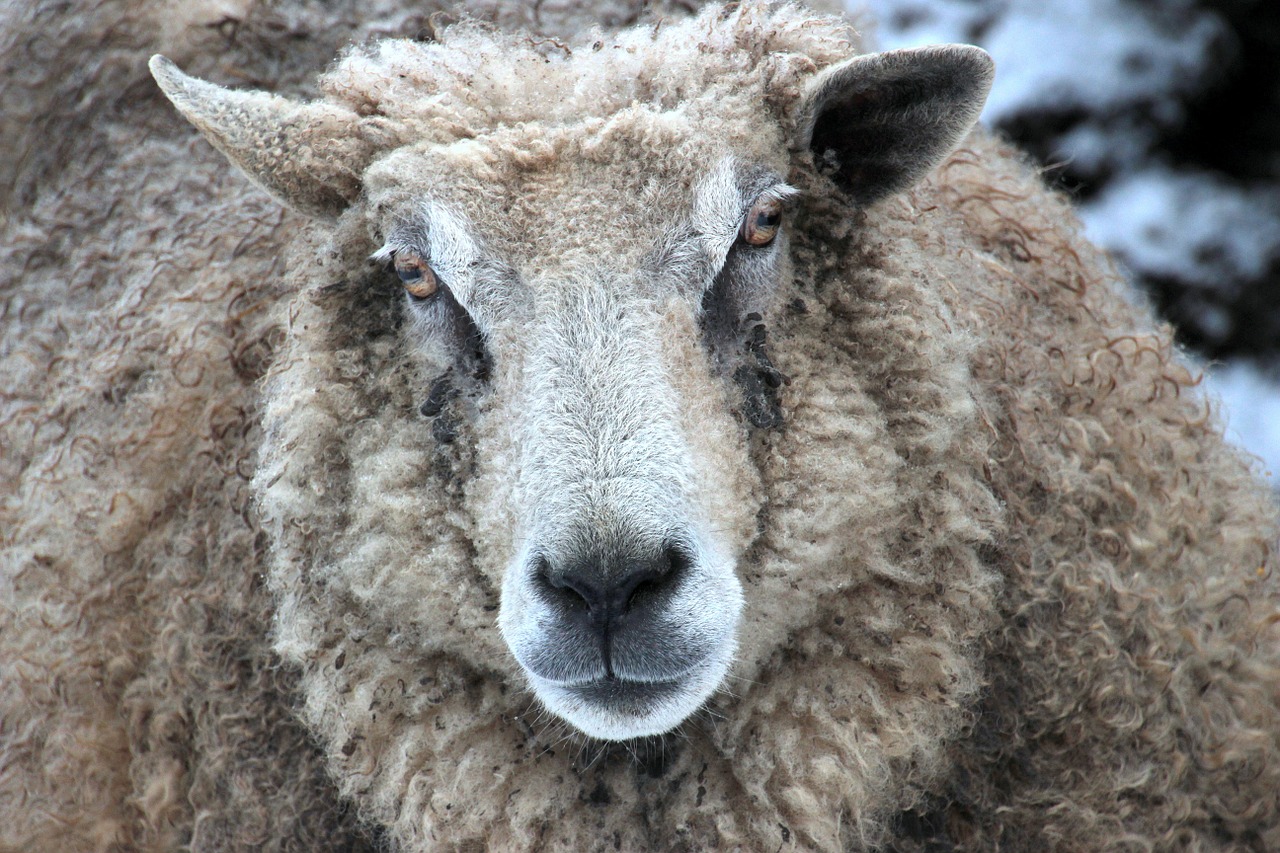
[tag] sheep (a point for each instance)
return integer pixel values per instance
(622, 438)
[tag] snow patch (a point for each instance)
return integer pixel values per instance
(1097, 55)
(1250, 407)
(1087, 60)
(1193, 227)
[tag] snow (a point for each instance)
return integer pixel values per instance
(1186, 225)
(1251, 409)
(1119, 73)
(1102, 59)
(910, 23)
(1098, 54)
(1094, 54)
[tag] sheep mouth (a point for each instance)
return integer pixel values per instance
(617, 709)
(629, 671)
(620, 695)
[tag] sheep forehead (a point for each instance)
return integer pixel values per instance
(608, 194)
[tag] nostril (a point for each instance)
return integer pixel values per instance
(588, 586)
(679, 561)
(636, 585)
(542, 571)
(653, 578)
(569, 588)
(576, 587)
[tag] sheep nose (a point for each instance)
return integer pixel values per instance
(607, 596)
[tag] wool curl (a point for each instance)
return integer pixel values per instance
(475, 77)
(1010, 589)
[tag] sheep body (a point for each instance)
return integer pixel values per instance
(1006, 586)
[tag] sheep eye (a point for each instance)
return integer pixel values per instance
(762, 222)
(419, 281)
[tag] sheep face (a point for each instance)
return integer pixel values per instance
(617, 491)
(584, 297)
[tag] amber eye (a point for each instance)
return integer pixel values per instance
(419, 281)
(762, 222)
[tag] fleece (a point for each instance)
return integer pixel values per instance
(1005, 585)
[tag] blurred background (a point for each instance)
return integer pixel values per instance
(1161, 118)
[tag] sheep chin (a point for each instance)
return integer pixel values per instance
(645, 710)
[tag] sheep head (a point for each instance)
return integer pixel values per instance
(584, 276)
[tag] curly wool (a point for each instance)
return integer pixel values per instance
(475, 78)
(1009, 588)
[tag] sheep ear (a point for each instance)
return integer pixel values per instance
(308, 155)
(883, 120)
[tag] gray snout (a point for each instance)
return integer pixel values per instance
(613, 617)
(622, 641)
(610, 600)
